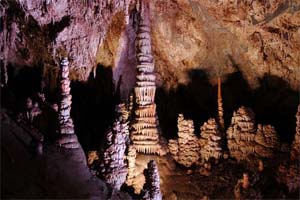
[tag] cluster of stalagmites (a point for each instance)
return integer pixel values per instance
(145, 135)
(151, 189)
(67, 137)
(244, 139)
(210, 141)
(112, 166)
(185, 150)
(295, 151)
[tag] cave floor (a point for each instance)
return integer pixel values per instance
(58, 173)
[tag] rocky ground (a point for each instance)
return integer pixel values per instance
(57, 174)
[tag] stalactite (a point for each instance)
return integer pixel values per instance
(220, 105)
(67, 138)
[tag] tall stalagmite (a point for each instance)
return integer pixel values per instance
(67, 137)
(145, 134)
(186, 149)
(112, 163)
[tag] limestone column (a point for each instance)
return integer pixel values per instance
(145, 134)
(67, 138)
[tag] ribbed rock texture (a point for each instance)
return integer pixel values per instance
(67, 136)
(186, 149)
(244, 139)
(112, 167)
(131, 157)
(295, 151)
(210, 141)
(145, 134)
(151, 189)
(241, 133)
(267, 141)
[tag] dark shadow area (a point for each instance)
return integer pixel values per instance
(274, 102)
(194, 100)
(93, 107)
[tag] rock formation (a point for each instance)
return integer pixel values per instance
(131, 157)
(241, 133)
(244, 139)
(267, 141)
(186, 150)
(145, 134)
(67, 137)
(220, 106)
(295, 151)
(112, 167)
(210, 141)
(151, 189)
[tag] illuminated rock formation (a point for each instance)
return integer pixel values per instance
(151, 189)
(220, 105)
(131, 157)
(295, 152)
(241, 133)
(210, 141)
(267, 141)
(244, 139)
(145, 134)
(188, 145)
(112, 166)
(67, 137)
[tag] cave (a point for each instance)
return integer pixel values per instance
(141, 99)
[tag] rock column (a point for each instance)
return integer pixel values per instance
(145, 134)
(295, 152)
(67, 138)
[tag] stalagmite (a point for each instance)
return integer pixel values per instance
(241, 133)
(145, 134)
(67, 138)
(267, 141)
(210, 141)
(151, 189)
(131, 157)
(244, 139)
(295, 151)
(220, 105)
(112, 163)
(187, 152)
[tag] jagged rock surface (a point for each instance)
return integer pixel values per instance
(145, 134)
(131, 157)
(267, 141)
(241, 133)
(210, 141)
(112, 166)
(67, 137)
(295, 152)
(151, 189)
(244, 139)
(186, 150)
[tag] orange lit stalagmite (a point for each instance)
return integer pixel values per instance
(145, 135)
(67, 137)
(186, 149)
(220, 105)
